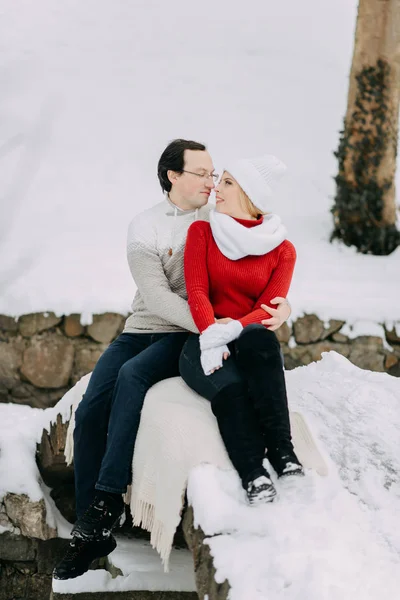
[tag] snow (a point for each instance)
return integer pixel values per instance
(142, 570)
(332, 537)
(328, 537)
(19, 426)
(91, 94)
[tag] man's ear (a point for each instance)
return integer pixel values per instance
(172, 176)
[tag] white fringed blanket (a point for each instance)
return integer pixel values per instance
(177, 432)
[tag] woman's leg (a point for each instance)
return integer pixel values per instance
(259, 356)
(227, 391)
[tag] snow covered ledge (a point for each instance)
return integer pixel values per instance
(325, 537)
(334, 532)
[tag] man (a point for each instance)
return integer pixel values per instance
(147, 351)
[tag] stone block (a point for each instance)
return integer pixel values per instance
(203, 561)
(28, 516)
(133, 595)
(72, 326)
(367, 352)
(37, 322)
(86, 357)
(16, 548)
(308, 329)
(340, 338)
(8, 324)
(11, 353)
(333, 328)
(283, 333)
(105, 327)
(17, 585)
(29, 395)
(390, 361)
(48, 361)
(315, 350)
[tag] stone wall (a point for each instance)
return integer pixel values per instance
(42, 355)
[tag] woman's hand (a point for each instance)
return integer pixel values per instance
(219, 334)
(279, 315)
(211, 359)
(224, 320)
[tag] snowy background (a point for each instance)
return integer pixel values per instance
(91, 92)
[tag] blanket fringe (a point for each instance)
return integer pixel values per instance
(144, 516)
(69, 441)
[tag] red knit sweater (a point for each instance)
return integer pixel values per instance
(220, 287)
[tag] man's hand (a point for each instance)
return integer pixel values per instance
(278, 315)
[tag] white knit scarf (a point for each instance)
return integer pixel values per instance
(236, 241)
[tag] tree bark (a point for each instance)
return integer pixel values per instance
(365, 207)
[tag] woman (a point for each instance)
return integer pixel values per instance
(238, 262)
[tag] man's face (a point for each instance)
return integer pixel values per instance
(194, 188)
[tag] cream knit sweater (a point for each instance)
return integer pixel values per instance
(160, 304)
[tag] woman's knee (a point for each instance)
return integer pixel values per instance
(257, 337)
(229, 399)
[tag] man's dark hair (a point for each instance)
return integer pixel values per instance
(172, 159)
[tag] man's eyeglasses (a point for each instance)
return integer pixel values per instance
(212, 176)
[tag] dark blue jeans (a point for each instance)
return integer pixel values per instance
(247, 395)
(108, 416)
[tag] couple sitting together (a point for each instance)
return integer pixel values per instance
(211, 288)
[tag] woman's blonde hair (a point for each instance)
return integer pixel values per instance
(249, 206)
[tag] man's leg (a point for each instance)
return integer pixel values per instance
(157, 362)
(259, 356)
(92, 415)
(228, 393)
(118, 424)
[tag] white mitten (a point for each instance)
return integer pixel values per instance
(220, 333)
(212, 358)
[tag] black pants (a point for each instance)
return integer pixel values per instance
(247, 395)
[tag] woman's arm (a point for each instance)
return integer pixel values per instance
(196, 275)
(278, 284)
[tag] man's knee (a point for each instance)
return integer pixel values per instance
(85, 414)
(93, 407)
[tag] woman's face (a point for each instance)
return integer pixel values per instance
(229, 197)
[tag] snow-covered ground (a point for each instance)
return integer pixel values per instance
(93, 91)
(330, 538)
(333, 538)
(90, 95)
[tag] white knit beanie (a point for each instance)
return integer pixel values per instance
(257, 177)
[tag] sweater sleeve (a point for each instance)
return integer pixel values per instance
(278, 284)
(152, 283)
(196, 275)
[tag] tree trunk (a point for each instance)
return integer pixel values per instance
(365, 207)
